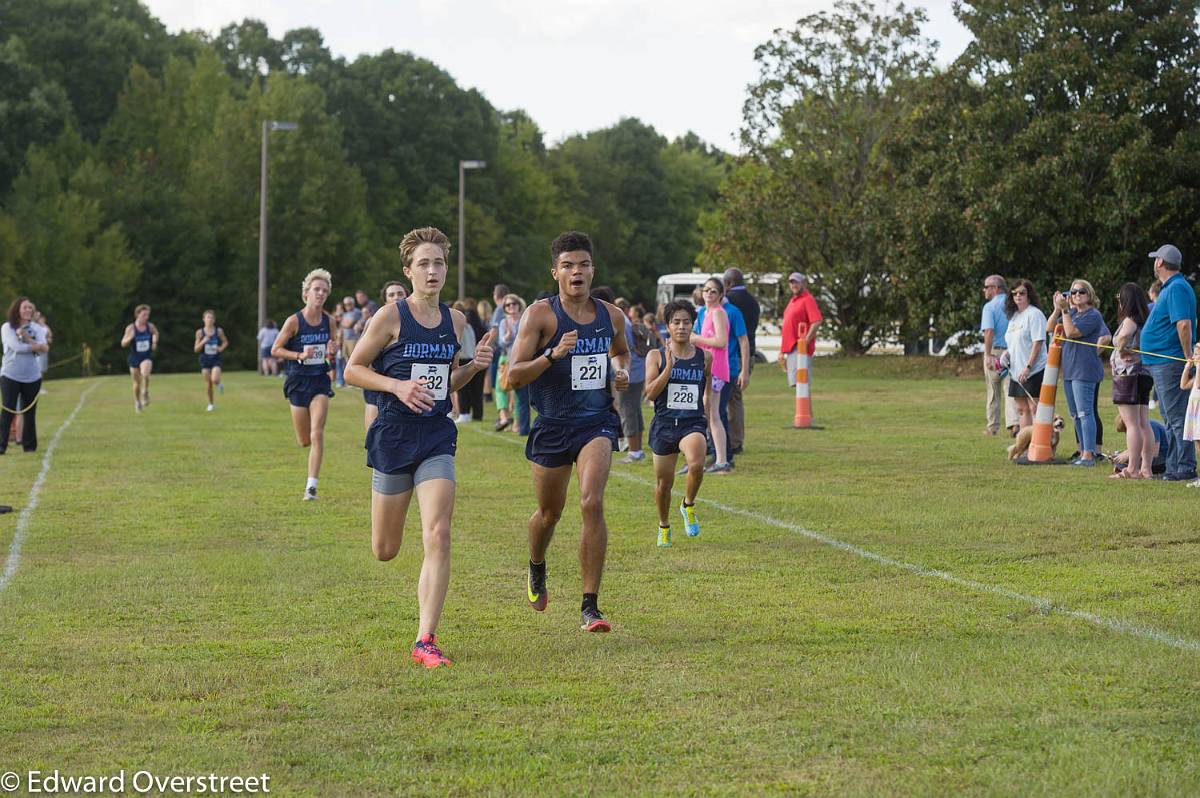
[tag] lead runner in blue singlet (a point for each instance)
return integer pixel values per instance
(142, 339)
(409, 356)
(304, 343)
(210, 343)
(571, 350)
(679, 380)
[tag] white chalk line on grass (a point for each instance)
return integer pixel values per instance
(1042, 605)
(14, 548)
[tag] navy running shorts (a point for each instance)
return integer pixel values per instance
(300, 389)
(666, 433)
(552, 445)
(398, 445)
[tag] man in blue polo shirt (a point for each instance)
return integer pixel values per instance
(1170, 332)
(994, 324)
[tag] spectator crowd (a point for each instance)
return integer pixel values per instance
(1150, 351)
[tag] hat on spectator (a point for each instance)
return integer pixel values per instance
(797, 277)
(1169, 254)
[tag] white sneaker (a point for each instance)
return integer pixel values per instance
(210, 407)
(633, 457)
(137, 405)
(1195, 483)
(622, 444)
(220, 387)
(463, 419)
(310, 494)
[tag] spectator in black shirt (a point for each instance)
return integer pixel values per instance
(741, 298)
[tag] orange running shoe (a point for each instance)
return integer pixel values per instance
(426, 652)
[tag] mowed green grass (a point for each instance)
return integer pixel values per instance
(178, 609)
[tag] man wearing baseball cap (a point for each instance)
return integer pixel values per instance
(1169, 333)
(801, 308)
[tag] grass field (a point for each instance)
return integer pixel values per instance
(178, 609)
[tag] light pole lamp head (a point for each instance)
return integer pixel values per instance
(473, 164)
(277, 125)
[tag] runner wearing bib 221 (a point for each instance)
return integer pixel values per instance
(571, 351)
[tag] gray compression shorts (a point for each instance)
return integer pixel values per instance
(440, 466)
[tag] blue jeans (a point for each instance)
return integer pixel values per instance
(1081, 403)
(1172, 403)
(723, 412)
(340, 365)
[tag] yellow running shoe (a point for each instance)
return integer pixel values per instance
(690, 524)
(664, 536)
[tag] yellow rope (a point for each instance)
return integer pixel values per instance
(1106, 346)
(23, 411)
(71, 359)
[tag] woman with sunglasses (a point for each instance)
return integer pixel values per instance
(713, 337)
(507, 401)
(1082, 369)
(1026, 338)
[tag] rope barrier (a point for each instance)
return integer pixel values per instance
(23, 410)
(1106, 346)
(65, 362)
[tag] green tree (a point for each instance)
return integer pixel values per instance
(77, 269)
(87, 47)
(1081, 152)
(815, 181)
(33, 109)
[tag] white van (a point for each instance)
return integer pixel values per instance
(770, 288)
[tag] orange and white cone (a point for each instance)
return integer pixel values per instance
(1040, 448)
(803, 418)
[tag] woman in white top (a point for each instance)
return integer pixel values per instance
(1026, 338)
(21, 373)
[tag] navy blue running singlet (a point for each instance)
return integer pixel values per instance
(420, 352)
(684, 394)
(310, 335)
(575, 389)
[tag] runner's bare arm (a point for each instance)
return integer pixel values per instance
(286, 332)
(526, 361)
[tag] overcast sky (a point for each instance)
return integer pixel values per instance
(573, 65)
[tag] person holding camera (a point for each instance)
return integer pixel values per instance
(21, 372)
(1082, 369)
(1026, 336)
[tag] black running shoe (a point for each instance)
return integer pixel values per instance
(593, 621)
(535, 586)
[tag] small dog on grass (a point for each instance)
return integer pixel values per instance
(1025, 437)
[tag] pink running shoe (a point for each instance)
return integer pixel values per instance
(426, 652)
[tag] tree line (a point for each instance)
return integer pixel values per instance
(1062, 143)
(129, 173)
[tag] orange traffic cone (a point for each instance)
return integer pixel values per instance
(1040, 450)
(803, 418)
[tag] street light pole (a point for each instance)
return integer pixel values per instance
(463, 166)
(267, 126)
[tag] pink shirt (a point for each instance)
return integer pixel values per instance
(720, 364)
